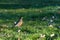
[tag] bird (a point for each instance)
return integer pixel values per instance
(19, 23)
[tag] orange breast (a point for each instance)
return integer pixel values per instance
(19, 24)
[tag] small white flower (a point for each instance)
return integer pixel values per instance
(50, 25)
(52, 35)
(51, 20)
(14, 22)
(44, 18)
(42, 35)
(53, 17)
(19, 30)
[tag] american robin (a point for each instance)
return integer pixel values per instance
(19, 23)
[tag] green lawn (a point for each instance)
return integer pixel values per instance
(33, 25)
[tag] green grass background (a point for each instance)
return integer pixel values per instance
(32, 26)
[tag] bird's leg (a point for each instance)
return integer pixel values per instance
(19, 34)
(19, 38)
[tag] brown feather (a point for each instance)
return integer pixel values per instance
(19, 24)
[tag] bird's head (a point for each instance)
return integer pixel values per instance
(21, 17)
